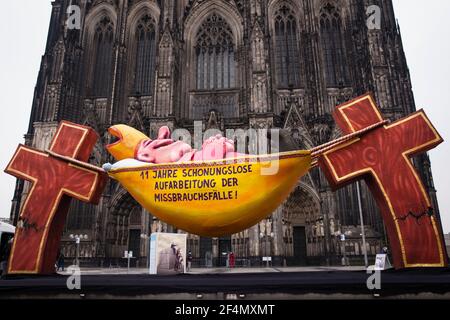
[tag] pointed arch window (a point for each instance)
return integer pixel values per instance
(104, 44)
(145, 56)
(81, 216)
(335, 64)
(287, 56)
(215, 55)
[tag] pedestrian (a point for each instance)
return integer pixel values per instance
(179, 266)
(189, 261)
(6, 250)
(60, 261)
(232, 260)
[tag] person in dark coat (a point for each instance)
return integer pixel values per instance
(189, 261)
(6, 250)
(60, 261)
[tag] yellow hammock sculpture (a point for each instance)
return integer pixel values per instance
(212, 198)
(215, 198)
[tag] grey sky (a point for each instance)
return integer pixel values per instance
(426, 39)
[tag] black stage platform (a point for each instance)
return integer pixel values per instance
(428, 283)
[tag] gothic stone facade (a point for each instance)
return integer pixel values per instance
(233, 64)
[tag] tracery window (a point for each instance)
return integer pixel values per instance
(81, 216)
(287, 57)
(335, 64)
(145, 56)
(215, 55)
(104, 44)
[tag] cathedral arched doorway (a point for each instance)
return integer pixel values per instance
(302, 225)
(124, 230)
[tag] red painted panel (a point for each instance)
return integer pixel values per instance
(382, 158)
(54, 183)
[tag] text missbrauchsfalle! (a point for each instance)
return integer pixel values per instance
(197, 196)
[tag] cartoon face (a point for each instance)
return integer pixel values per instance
(134, 144)
(127, 141)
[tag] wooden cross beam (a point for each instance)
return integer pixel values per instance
(382, 158)
(54, 182)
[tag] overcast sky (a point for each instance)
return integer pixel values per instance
(426, 38)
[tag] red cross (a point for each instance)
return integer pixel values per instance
(53, 183)
(382, 158)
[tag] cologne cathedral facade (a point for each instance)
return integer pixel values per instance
(231, 64)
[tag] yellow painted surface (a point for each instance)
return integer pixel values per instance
(128, 140)
(215, 198)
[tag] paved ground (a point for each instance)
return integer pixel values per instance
(212, 284)
(200, 271)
